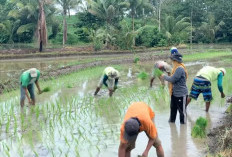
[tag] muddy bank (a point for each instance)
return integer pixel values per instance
(74, 51)
(220, 138)
(71, 53)
(14, 83)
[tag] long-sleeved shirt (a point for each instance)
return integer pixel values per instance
(212, 74)
(178, 79)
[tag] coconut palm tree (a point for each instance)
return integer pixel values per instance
(176, 28)
(67, 5)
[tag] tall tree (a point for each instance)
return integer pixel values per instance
(42, 27)
(67, 5)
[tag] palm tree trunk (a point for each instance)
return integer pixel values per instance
(64, 28)
(133, 26)
(191, 33)
(159, 15)
(42, 28)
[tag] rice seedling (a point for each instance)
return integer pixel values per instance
(199, 128)
(136, 60)
(46, 89)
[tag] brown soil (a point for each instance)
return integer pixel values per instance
(71, 51)
(220, 138)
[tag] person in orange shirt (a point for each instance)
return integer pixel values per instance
(139, 117)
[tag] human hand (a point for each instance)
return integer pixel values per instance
(162, 77)
(40, 92)
(222, 95)
(115, 87)
(145, 154)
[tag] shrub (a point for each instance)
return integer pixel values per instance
(149, 36)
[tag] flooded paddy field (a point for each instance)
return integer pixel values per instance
(70, 121)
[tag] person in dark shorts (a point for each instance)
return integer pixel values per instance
(202, 84)
(27, 81)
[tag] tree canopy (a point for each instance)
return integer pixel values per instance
(113, 23)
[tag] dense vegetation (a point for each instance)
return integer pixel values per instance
(116, 24)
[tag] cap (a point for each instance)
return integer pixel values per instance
(33, 72)
(223, 70)
(131, 129)
(173, 50)
(176, 57)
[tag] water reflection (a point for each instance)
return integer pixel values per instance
(178, 141)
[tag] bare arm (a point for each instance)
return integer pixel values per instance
(38, 87)
(122, 150)
(152, 79)
(149, 145)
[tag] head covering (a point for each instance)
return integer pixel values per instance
(33, 72)
(131, 129)
(176, 57)
(223, 70)
(173, 50)
(113, 74)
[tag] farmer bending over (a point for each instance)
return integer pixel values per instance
(202, 84)
(27, 80)
(159, 68)
(110, 76)
(139, 117)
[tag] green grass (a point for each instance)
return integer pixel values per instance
(206, 55)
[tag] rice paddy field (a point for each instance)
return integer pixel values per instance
(68, 121)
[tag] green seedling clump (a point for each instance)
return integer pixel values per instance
(142, 75)
(136, 60)
(199, 128)
(69, 86)
(46, 89)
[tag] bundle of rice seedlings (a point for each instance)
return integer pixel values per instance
(46, 89)
(142, 75)
(199, 129)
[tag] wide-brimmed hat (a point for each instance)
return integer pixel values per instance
(33, 72)
(176, 57)
(131, 129)
(173, 50)
(223, 70)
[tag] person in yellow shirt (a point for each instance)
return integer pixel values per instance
(139, 117)
(110, 79)
(202, 84)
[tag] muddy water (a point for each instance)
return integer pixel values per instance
(13, 68)
(72, 122)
